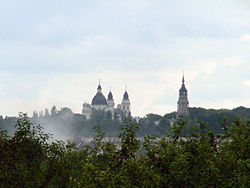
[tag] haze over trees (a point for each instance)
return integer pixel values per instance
(65, 124)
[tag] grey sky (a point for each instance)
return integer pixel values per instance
(54, 52)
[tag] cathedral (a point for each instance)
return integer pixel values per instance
(99, 102)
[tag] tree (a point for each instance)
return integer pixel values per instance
(201, 158)
(53, 110)
(30, 159)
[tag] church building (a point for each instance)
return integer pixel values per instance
(99, 102)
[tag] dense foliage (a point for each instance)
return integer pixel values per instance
(30, 158)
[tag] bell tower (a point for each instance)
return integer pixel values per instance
(126, 104)
(183, 104)
(110, 100)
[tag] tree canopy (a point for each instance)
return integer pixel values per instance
(30, 159)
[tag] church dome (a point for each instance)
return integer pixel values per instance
(99, 99)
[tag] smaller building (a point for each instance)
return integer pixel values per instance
(86, 110)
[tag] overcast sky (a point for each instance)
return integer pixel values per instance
(52, 52)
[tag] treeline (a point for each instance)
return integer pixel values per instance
(204, 159)
(214, 117)
(65, 124)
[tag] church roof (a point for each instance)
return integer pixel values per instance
(99, 99)
(110, 96)
(99, 87)
(125, 96)
(183, 87)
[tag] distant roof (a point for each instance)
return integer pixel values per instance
(125, 96)
(183, 88)
(99, 99)
(99, 87)
(110, 96)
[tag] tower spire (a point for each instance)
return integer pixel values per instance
(183, 80)
(99, 88)
(125, 106)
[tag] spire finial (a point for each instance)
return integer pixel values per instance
(99, 88)
(110, 88)
(183, 80)
(126, 88)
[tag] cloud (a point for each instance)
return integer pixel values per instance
(247, 83)
(245, 38)
(54, 53)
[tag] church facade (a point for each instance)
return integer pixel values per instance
(99, 102)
